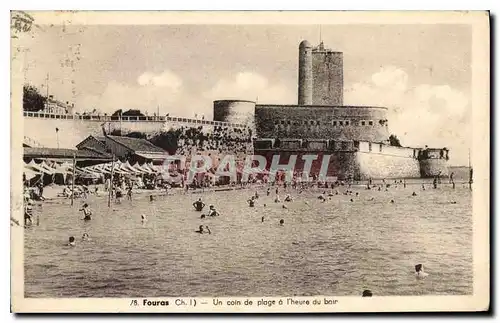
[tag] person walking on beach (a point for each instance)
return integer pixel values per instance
(28, 213)
(129, 193)
(118, 195)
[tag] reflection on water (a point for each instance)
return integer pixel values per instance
(333, 248)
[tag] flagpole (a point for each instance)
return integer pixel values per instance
(73, 180)
(111, 181)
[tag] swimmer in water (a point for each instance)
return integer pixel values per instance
(144, 218)
(201, 231)
(282, 222)
(284, 206)
(151, 198)
(392, 201)
(357, 194)
(264, 205)
(288, 198)
(322, 198)
(262, 219)
(85, 237)
(419, 272)
(199, 205)
(86, 212)
(212, 211)
(414, 194)
(72, 241)
(202, 216)
(352, 200)
(268, 191)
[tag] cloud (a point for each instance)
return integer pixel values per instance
(250, 86)
(168, 91)
(150, 91)
(423, 114)
(166, 79)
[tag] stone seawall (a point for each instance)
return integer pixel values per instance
(358, 165)
(377, 166)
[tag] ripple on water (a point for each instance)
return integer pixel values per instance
(333, 248)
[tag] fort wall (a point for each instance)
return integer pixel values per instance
(235, 111)
(433, 167)
(328, 77)
(322, 122)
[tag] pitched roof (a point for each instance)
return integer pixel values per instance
(63, 153)
(100, 140)
(136, 144)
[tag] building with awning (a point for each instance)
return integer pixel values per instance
(134, 150)
(63, 154)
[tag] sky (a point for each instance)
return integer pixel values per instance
(421, 73)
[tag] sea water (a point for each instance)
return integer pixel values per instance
(334, 248)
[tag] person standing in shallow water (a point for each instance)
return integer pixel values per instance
(199, 205)
(86, 212)
(251, 201)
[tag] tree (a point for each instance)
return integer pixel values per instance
(394, 141)
(167, 140)
(128, 113)
(33, 101)
(133, 113)
(136, 134)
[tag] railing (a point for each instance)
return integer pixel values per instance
(131, 119)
